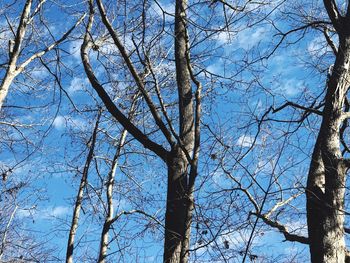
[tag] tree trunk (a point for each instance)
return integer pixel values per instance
(14, 53)
(326, 181)
(179, 206)
(315, 204)
(109, 196)
(80, 194)
(183, 152)
(176, 207)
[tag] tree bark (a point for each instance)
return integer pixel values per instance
(14, 53)
(315, 203)
(326, 182)
(184, 146)
(179, 197)
(176, 206)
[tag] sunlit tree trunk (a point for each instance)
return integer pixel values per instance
(326, 181)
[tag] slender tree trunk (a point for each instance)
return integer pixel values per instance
(4, 236)
(79, 198)
(326, 182)
(109, 195)
(14, 52)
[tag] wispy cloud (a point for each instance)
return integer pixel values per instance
(245, 141)
(62, 122)
(45, 213)
(77, 84)
(59, 123)
(168, 8)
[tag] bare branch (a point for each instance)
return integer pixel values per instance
(333, 13)
(111, 107)
(297, 106)
(282, 229)
(134, 73)
(330, 41)
(21, 67)
(136, 211)
(109, 192)
(282, 203)
(79, 198)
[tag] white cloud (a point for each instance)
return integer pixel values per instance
(39, 73)
(78, 123)
(298, 227)
(291, 87)
(76, 84)
(168, 8)
(59, 122)
(223, 37)
(215, 69)
(235, 238)
(250, 37)
(318, 46)
(245, 141)
(57, 211)
(62, 122)
(221, 180)
(22, 213)
(44, 214)
(108, 47)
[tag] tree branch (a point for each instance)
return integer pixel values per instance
(333, 13)
(111, 107)
(330, 41)
(39, 54)
(297, 106)
(134, 73)
(282, 229)
(138, 212)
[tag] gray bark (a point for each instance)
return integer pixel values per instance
(176, 208)
(326, 181)
(179, 203)
(182, 159)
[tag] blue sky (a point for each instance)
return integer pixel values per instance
(235, 94)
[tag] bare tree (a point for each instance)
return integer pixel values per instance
(15, 47)
(79, 198)
(326, 181)
(182, 158)
(327, 175)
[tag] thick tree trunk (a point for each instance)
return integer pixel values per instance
(178, 216)
(326, 181)
(315, 204)
(176, 207)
